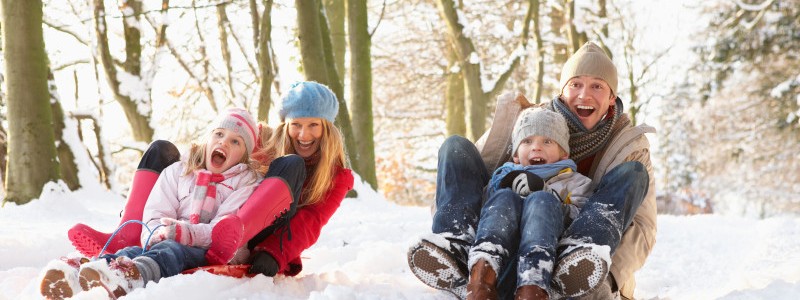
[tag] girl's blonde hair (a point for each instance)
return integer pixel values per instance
(332, 158)
(197, 158)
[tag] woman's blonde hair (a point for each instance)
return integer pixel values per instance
(332, 158)
(197, 158)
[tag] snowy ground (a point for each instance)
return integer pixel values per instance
(361, 255)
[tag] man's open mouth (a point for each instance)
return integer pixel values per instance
(584, 110)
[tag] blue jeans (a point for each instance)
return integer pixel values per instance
(172, 257)
(460, 179)
(610, 210)
(521, 236)
(460, 182)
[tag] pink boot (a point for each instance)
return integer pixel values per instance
(89, 241)
(271, 199)
(226, 236)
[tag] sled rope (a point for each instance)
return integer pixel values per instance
(144, 247)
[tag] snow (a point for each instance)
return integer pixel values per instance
(362, 254)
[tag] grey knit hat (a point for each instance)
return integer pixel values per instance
(542, 122)
(590, 60)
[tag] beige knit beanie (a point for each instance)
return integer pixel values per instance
(590, 60)
(541, 122)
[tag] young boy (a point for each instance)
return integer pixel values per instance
(530, 202)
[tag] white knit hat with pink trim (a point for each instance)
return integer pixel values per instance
(241, 122)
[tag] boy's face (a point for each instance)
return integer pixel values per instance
(588, 98)
(538, 150)
(224, 150)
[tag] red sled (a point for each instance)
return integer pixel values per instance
(237, 271)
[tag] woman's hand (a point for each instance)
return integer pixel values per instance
(263, 263)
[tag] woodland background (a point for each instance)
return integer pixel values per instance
(87, 84)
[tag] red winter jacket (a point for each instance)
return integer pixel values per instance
(306, 225)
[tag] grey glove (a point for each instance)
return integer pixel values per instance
(521, 182)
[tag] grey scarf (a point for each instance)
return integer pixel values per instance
(583, 142)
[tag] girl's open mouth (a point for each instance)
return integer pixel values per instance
(218, 158)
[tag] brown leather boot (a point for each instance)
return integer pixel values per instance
(482, 282)
(531, 292)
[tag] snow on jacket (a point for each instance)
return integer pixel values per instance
(306, 226)
(561, 178)
(173, 194)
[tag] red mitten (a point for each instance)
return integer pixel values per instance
(179, 231)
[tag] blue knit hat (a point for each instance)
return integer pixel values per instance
(309, 99)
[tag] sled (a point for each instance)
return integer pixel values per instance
(237, 271)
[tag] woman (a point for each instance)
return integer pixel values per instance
(617, 222)
(306, 131)
(303, 187)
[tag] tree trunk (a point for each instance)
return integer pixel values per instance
(133, 35)
(265, 62)
(32, 158)
(533, 15)
(335, 83)
(222, 24)
(361, 89)
(572, 31)
(454, 97)
(3, 132)
(477, 99)
(310, 36)
(69, 169)
(317, 57)
(603, 15)
(137, 111)
(255, 20)
(560, 50)
(335, 11)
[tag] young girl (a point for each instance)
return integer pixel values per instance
(185, 230)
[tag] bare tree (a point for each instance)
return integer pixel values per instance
(335, 13)
(361, 89)
(265, 64)
(318, 62)
(477, 98)
(69, 169)
(136, 107)
(32, 158)
(454, 95)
